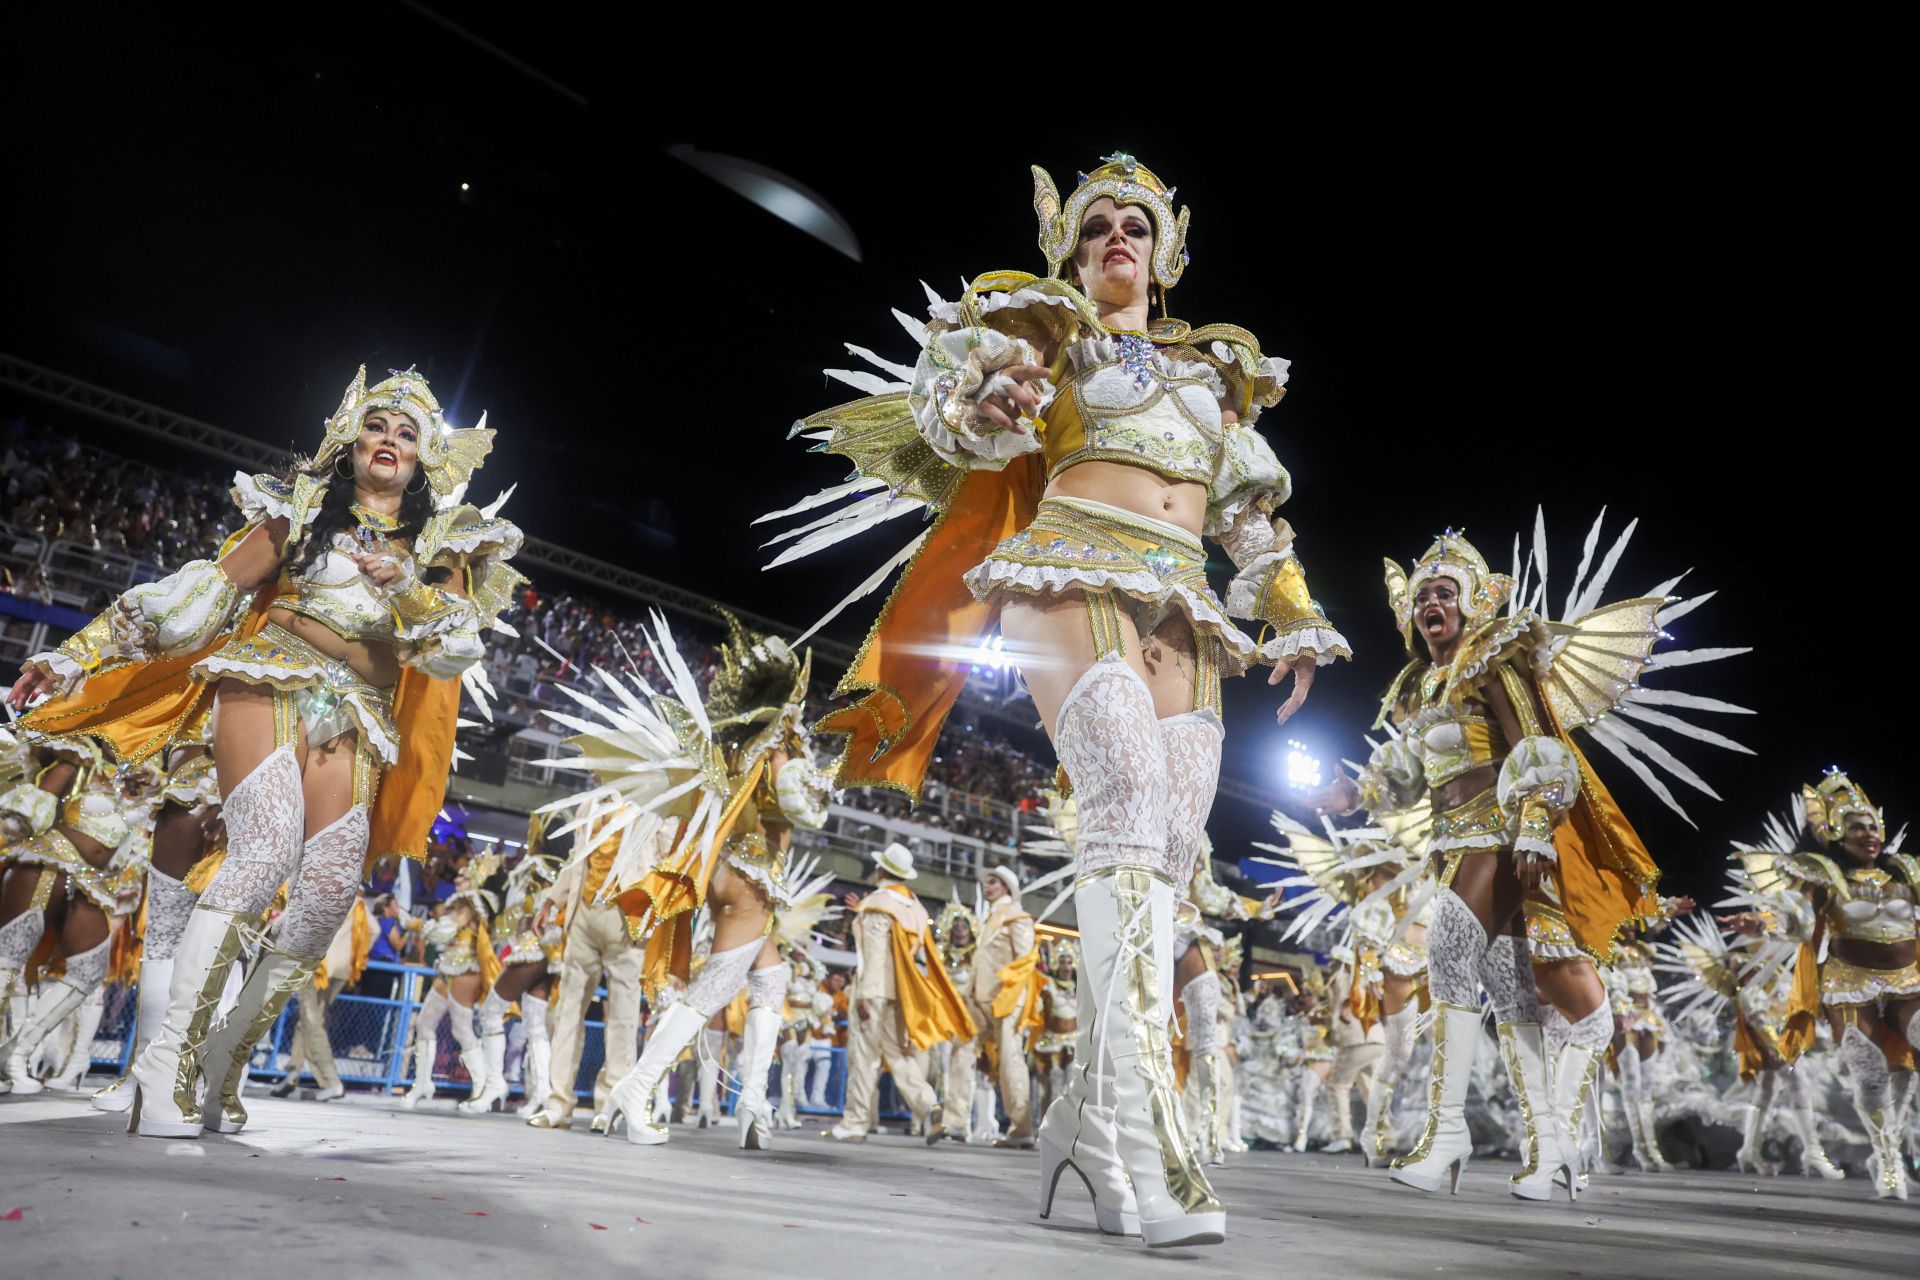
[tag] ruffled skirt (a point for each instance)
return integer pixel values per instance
(327, 696)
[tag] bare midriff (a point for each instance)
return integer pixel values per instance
(1135, 489)
(1457, 791)
(1873, 955)
(374, 663)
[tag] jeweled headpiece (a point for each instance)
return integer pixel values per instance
(448, 456)
(1831, 801)
(1482, 592)
(1127, 181)
(761, 682)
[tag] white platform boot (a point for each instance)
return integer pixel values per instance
(45, 1012)
(632, 1096)
(166, 1099)
(1126, 922)
(274, 978)
(750, 1110)
(1444, 1145)
(150, 1009)
(1546, 1156)
(425, 1049)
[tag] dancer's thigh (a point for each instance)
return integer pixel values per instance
(328, 782)
(1051, 641)
(242, 732)
(516, 980)
(86, 926)
(1571, 986)
(1396, 993)
(1172, 666)
(466, 989)
(740, 909)
(1486, 883)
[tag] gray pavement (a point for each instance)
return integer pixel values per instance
(354, 1190)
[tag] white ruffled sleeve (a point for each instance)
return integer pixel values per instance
(1394, 777)
(963, 362)
(1538, 784)
(1271, 585)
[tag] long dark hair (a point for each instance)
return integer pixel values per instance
(336, 516)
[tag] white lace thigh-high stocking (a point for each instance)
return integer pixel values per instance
(1191, 742)
(1506, 971)
(264, 817)
(1204, 1104)
(1109, 742)
(1399, 1029)
(1754, 1132)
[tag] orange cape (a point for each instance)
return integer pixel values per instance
(136, 708)
(919, 654)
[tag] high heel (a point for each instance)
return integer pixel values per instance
(1054, 1162)
(1445, 1145)
(1547, 1138)
(1126, 921)
(167, 1075)
(632, 1098)
(750, 1109)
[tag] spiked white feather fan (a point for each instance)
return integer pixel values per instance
(1591, 672)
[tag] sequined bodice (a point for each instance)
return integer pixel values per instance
(1879, 908)
(1125, 401)
(335, 593)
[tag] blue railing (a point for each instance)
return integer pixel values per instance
(369, 1037)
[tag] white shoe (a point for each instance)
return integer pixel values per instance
(44, 1016)
(1813, 1156)
(1126, 925)
(331, 1092)
(1545, 1161)
(425, 1049)
(493, 1046)
(1445, 1146)
(750, 1109)
(274, 978)
(632, 1096)
(166, 1098)
(150, 1010)
(539, 1063)
(1376, 1139)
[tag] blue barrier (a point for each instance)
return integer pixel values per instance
(369, 1038)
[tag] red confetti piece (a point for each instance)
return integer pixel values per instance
(791, 1224)
(642, 1221)
(13, 1215)
(436, 1197)
(478, 1213)
(336, 1178)
(596, 1226)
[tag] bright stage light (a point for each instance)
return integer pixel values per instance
(991, 653)
(1303, 768)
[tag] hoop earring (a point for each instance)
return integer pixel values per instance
(423, 485)
(348, 473)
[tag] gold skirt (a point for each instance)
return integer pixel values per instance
(1120, 562)
(1843, 983)
(321, 693)
(54, 852)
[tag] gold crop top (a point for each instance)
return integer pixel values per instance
(1126, 401)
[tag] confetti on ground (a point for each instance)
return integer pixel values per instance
(642, 1221)
(596, 1226)
(14, 1215)
(477, 1213)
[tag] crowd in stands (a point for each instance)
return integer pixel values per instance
(53, 485)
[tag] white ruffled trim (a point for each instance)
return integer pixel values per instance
(985, 304)
(1410, 965)
(1553, 951)
(1522, 623)
(983, 353)
(991, 575)
(33, 806)
(1529, 844)
(257, 504)
(1322, 642)
(501, 539)
(69, 677)
(1534, 765)
(1484, 840)
(384, 744)
(1088, 352)
(1241, 601)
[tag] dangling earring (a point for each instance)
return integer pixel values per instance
(423, 485)
(348, 473)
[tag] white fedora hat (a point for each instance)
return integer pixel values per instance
(1005, 876)
(897, 861)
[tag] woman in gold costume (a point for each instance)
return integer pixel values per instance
(327, 636)
(1076, 449)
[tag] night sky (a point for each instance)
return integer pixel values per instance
(1635, 293)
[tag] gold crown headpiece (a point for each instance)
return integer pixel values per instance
(448, 456)
(760, 681)
(1127, 181)
(1830, 801)
(1482, 592)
